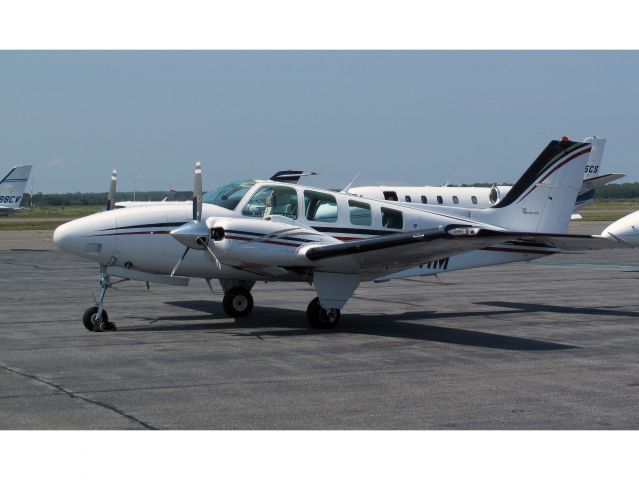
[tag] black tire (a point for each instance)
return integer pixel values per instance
(319, 318)
(238, 302)
(89, 317)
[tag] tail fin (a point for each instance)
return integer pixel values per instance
(543, 199)
(594, 162)
(12, 186)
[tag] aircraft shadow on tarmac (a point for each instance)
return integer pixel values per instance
(282, 322)
(540, 307)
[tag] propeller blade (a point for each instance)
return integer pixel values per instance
(208, 249)
(111, 198)
(197, 193)
(177, 265)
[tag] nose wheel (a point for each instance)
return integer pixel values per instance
(319, 317)
(92, 323)
(96, 319)
(238, 302)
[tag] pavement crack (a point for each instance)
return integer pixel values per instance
(74, 395)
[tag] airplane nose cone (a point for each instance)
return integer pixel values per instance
(63, 238)
(625, 229)
(88, 237)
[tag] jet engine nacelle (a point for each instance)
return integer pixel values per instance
(625, 229)
(241, 242)
(497, 192)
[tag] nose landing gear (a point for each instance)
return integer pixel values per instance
(96, 319)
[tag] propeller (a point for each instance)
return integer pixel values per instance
(195, 234)
(111, 198)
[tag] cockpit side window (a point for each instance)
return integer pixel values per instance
(272, 200)
(229, 195)
(320, 207)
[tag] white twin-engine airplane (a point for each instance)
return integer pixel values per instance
(484, 197)
(12, 189)
(257, 230)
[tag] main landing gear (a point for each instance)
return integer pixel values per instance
(319, 317)
(238, 302)
(96, 319)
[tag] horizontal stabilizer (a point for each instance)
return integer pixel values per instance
(600, 181)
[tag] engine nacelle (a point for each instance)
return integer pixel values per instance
(497, 192)
(241, 242)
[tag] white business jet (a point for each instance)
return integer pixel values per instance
(12, 189)
(286, 176)
(256, 230)
(484, 197)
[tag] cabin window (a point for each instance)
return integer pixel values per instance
(407, 198)
(360, 213)
(390, 196)
(474, 199)
(272, 200)
(424, 199)
(455, 200)
(440, 200)
(320, 207)
(392, 218)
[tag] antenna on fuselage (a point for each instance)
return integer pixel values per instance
(347, 187)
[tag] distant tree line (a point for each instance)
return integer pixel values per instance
(77, 198)
(615, 191)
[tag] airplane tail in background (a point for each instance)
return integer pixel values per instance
(543, 199)
(13, 185)
(594, 161)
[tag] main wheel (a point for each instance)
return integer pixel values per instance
(89, 320)
(321, 318)
(238, 302)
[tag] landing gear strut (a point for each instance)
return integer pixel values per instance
(238, 302)
(321, 318)
(96, 319)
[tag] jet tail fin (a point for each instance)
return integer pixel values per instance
(13, 185)
(543, 199)
(594, 161)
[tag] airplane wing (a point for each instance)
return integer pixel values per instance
(390, 253)
(600, 181)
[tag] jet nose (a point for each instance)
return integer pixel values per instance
(625, 229)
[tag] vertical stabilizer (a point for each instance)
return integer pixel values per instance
(543, 199)
(13, 185)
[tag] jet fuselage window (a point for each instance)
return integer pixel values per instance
(272, 200)
(455, 200)
(424, 199)
(392, 218)
(320, 207)
(474, 199)
(440, 200)
(407, 198)
(390, 196)
(360, 213)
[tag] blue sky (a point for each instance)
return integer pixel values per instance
(396, 117)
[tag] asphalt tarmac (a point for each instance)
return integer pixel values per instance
(519, 346)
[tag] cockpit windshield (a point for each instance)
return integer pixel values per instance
(229, 195)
